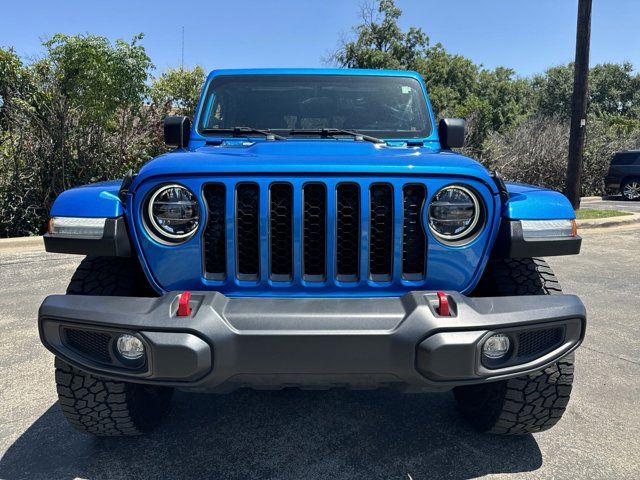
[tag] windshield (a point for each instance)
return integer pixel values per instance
(387, 107)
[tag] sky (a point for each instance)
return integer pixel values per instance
(526, 35)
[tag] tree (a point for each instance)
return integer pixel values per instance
(380, 43)
(177, 90)
(613, 90)
(451, 80)
(553, 91)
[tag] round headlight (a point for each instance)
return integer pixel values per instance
(173, 213)
(454, 213)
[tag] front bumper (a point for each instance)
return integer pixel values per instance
(228, 343)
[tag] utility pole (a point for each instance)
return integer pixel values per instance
(579, 104)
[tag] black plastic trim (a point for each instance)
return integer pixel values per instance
(177, 131)
(114, 242)
(381, 265)
(512, 244)
(451, 133)
(247, 247)
(311, 272)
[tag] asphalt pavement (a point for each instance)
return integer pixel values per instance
(613, 202)
(293, 434)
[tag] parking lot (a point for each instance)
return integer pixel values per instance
(293, 434)
(613, 202)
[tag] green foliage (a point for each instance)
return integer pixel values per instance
(80, 114)
(613, 90)
(450, 79)
(380, 42)
(553, 91)
(177, 90)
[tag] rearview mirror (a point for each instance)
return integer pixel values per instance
(451, 133)
(177, 131)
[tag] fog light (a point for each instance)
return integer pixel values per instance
(130, 347)
(496, 346)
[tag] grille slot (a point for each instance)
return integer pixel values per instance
(414, 246)
(247, 231)
(348, 232)
(314, 231)
(214, 234)
(281, 231)
(381, 232)
(539, 342)
(95, 345)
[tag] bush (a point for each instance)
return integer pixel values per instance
(535, 151)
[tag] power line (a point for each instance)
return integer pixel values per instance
(182, 57)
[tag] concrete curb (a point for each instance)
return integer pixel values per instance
(587, 199)
(608, 222)
(21, 243)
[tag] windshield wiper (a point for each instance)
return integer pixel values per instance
(242, 132)
(333, 132)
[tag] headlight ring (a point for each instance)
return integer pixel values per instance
(172, 214)
(455, 215)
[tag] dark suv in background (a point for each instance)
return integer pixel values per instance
(624, 175)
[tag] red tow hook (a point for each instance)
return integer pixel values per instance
(184, 309)
(443, 305)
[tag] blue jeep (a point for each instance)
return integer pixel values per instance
(312, 229)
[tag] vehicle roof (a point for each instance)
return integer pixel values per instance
(316, 71)
(636, 150)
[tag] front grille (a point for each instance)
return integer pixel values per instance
(539, 342)
(311, 233)
(95, 345)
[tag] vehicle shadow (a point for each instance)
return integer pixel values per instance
(279, 435)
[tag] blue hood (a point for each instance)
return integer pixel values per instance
(313, 157)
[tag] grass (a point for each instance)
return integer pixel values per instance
(589, 213)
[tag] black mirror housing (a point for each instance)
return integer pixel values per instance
(451, 133)
(177, 131)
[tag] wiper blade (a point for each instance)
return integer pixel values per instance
(333, 132)
(242, 132)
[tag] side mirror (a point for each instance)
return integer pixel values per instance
(451, 133)
(177, 131)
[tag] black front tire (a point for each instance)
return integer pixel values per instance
(96, 405)
(530, 403)
(108, 408)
